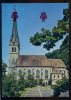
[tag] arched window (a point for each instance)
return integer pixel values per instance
(58, 76)
(37, 74)
(20, 73)
(54, 76)
(29, 72)
(46, 73)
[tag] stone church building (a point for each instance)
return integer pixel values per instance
(37, 65)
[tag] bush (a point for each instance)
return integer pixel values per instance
(40, 81)
(56, 91)
(43, 84)
(62, 86)
(10, 87)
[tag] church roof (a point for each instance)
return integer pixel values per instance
(33, 60)
(57, 63)
(38, 60)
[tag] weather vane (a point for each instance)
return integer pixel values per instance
(14, 15)
(43, 16)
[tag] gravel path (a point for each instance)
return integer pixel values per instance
(39, 91)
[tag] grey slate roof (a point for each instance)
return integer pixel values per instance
(14, 36)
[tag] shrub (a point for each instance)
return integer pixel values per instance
(61, 86)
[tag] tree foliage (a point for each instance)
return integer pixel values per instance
(47, 38)
(62, 53)
(10, 86)
(61, 86)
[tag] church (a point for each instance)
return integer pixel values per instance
(39, 66)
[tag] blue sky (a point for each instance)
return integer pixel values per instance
(29, 23)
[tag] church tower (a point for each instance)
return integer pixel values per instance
(14, 44)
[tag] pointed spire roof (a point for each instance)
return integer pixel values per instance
(14, 36)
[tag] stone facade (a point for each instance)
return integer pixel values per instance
(54, 76)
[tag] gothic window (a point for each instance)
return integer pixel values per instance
(37, 74)
(58, 76)
(63, 72)
(20, 73)
(29, 75)
(29, 72)
(46, 73)
(54, 76)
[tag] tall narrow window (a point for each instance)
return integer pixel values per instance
(46, 73)
(29, 72)
(37, 74)
(13, 49)
(20, 73)
(63, 71)
(58, 76)
(54, 76)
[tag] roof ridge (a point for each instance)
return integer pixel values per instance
(33, 55)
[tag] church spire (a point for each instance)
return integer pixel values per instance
(14, 36)
(14, 44)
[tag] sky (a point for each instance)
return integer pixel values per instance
(28, 24)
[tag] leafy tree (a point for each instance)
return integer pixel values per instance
(62, 53)
(61, 86)
(47, 38)
(10, 86)
(32, 81)
(40, 81)
(4, 66)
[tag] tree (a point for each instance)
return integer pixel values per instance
(4, 66)
(32, 81)
(62, 53)
(40, 81)
(10, 86)
(47, 38)
(61, 86)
